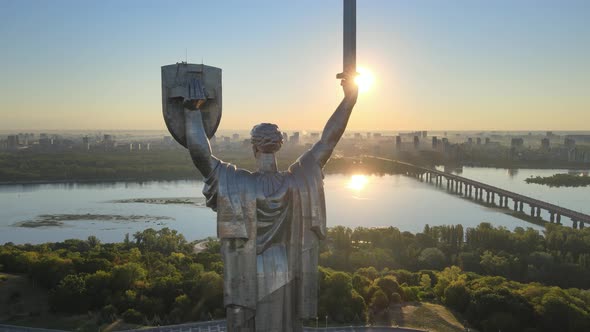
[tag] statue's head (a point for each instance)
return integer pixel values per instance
(266, 138)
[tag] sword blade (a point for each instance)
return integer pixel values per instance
(349, 37)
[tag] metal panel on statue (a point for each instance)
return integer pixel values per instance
(178, 84)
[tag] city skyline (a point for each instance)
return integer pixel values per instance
(437, 66)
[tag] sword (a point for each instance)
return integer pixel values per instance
(349, 41)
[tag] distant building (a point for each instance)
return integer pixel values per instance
(285, 137)
(569, 142)
(517, 142)
(294, 139)
(416, 142)
(398, 142)
(235, 137)
(434, 142)
(424, 134)
(469, 140)
(12, 142)
(478, 141)
(545, 144)
(487, 141)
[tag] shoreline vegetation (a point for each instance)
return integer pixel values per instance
(58, 220)
(445, 278)
(173, 165)
(561, 180)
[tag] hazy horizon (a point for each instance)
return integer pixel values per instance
(464, 65)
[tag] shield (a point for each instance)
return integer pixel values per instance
(183, 81)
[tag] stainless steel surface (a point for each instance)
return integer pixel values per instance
(182, 82)
(269, 222)
(348, 39)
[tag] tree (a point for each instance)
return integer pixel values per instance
(457, 296)
(123, 276)
(69, 295)
(379, 301)
(432, 258)
(389, 286)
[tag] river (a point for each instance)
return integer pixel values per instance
(369, 201)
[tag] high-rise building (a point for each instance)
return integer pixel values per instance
(294, 139)
(13, 142)
(545, 144)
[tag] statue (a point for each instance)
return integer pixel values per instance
(269, 222)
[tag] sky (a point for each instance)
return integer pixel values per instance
(438, 65)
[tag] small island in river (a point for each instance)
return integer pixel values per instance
(561, 180)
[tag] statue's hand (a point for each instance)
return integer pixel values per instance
(350, 88)
(193, 104)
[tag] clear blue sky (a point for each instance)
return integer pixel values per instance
(461, 64)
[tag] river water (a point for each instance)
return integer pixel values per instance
(370, 201)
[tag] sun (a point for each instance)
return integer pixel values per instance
(364, 80)
(358, 182)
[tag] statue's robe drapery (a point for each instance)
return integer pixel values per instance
(269, 225)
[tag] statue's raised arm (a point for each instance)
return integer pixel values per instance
(336, 125)
(197, 141)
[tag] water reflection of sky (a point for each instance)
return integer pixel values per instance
(369, 201)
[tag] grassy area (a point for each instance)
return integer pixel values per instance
(428, 316)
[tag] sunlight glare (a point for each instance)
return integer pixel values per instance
(364, 80)
(358, 182)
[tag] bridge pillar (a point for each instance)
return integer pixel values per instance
(538, 212)
(521, 206)
(506, 201)
(532, 211)
(574, 224)
(515, 205)
(558, 219)
(493, 198)
(581, 225)
(551, 217)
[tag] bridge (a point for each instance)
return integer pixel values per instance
(488, 194)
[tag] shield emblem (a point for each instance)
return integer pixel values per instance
(184, 81)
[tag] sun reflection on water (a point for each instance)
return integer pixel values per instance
(358, 182)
